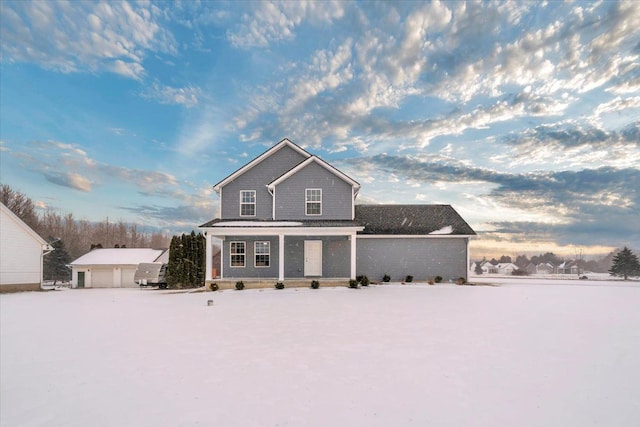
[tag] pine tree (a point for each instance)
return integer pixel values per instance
(625, 264)
(478, 269)
(186, 268)
(174, 268)
(55, 264)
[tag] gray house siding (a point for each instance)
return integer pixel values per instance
(256, 179)
(337, 195)
(335, 256)
(422, 258)
(249, 270)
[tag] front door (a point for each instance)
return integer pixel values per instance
(313, 257)
(81, 279)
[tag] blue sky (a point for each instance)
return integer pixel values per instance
(525, 116)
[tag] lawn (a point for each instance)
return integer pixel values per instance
(518, 354)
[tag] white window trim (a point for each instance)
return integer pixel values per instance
(255, 203)
(255, 253)
(306, 202)
(231, 254)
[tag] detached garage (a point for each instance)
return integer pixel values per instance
(112, 268)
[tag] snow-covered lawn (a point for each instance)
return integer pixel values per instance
(392, 355)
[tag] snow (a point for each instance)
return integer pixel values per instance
(444, 230)
(258, 224)
(118, 256)
(518, 354)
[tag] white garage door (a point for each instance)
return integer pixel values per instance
(127, 278)
(101, 278)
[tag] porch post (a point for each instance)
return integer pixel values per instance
(352, 239)
(280, 257)
(222, 257)
(466, 273)
(208, 276)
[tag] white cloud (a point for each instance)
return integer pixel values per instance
(187, 96)
(274, 21)
(618, 104)
(83, 36)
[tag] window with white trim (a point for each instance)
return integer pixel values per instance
(262, 253)
(247, 202)
(237, 253)
(313, 201)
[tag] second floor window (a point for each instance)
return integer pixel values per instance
(313, 202)
(248, 203)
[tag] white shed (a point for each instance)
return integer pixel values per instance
(111, 268)
(21, 252)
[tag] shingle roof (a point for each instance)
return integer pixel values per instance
(411, 220)
(279, 223)
(378, 219)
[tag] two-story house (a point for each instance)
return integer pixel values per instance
(289, 216)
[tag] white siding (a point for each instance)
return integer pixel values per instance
(20, 253)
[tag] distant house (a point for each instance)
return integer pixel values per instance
(545, 268)
(288, 215)
(531, 268)
(489, 268)
(112, 268)
(21, 254)
(568, 267)
(506, 268)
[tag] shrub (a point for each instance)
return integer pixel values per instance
(461, 281)
(239, 285)
(408, 279)
(213, 286)
(386, 278)
(353, 284)
(431, 282)
(364, 281)
(519, 272)
(315, 284)
(438, 279)
(279, 285)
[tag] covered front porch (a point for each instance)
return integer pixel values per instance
(268, 251)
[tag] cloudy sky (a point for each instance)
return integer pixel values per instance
(525, 116)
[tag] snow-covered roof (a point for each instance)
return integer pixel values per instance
(119, 256)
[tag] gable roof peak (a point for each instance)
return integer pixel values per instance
(275, 148)
(319, 161)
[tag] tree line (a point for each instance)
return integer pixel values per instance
(76, 237)
(600, 265)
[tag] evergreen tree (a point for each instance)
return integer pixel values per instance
(186, 268)
(625, 264)
(55, 264)
(478, 269)
(174, 268)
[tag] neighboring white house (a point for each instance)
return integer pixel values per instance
(112, 268)
(21, 253)
(506, 268)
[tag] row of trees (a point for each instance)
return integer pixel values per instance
(187, 254)
(73, 238)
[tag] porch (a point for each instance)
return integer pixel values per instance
(272, 252)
